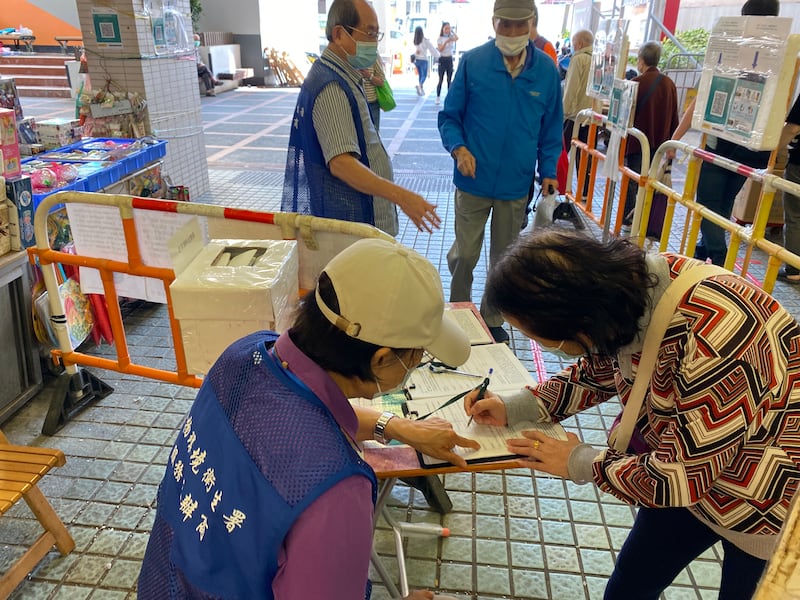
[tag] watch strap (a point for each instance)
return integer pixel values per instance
(379, 434)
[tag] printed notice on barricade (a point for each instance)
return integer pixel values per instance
(98, 232)
(748, 69)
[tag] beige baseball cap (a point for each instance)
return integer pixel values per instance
(391, 296)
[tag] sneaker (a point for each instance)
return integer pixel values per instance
(419, 90)
(211, 93)
(437, 99)
(784, 274)
(625, 231)
(499, 334)
(217, 82)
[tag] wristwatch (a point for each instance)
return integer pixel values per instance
(380, 427)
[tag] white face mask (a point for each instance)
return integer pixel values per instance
(557, 351)
(400, 386)
(511, 46)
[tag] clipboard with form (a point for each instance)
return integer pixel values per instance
(428, 391)
(492, 439)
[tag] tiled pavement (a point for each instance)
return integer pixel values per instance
(514, 534)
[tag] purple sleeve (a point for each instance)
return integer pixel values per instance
(326, 552)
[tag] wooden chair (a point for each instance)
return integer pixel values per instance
(21, 468)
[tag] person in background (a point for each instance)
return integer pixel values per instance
(540, 41)
(791, 202)
(563, 60)
(501, 121)
(423, 50)
(717, 187)
(714, 456)
(575, 97)
(337, 166)
(656, 117)
(266, 493)
(203, 72)
(445, 47)
(373, 78)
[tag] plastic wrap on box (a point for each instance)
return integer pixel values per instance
(744, 89)
(230, 289)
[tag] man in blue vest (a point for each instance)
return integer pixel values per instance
(337, 166)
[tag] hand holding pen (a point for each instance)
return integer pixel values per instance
(481, 393)
(485, 408)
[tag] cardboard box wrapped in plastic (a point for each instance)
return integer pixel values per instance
(230, 289)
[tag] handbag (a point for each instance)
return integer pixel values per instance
(385, 96)
(620, 436)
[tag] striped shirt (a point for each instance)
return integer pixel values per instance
(336, 132)
(369, 88)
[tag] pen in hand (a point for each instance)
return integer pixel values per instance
(481, 393)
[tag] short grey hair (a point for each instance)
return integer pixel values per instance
(584, 36)
(344, 13)
(650, 53)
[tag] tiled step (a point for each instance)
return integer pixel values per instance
(34, 59)
(37, 74)
(43, 92)
(37, 81)
(32, 70)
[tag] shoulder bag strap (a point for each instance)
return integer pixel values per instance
(662, 315)
(650, 90)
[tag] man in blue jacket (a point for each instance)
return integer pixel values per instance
(502, 116)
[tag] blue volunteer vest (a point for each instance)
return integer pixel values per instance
(245, 464)
(309, 187)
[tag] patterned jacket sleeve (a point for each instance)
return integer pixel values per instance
(716, 380)
(576, 388)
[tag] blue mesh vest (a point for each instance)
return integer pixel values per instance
(309, 187)
(238, 477)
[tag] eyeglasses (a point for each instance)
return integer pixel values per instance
(375, 36)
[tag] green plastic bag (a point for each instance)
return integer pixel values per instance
(385, 96)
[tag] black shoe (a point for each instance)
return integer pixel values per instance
(499, 334)
(784, 274)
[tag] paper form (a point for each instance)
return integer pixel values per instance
(509, 374)
(469, 323)
(492, 439)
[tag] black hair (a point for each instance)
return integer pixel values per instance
(344, 13)
(761, 8)
(419, 35)
(562, 285)
(444, 24)
(327, 345)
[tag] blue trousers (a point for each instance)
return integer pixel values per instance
(662, 542)
(422, 67)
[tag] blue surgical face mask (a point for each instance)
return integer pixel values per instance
(197, 43)
(365, 56)
(557, 351)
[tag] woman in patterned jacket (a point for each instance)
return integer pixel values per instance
(715, 452)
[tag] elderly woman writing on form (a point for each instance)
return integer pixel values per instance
(715, 450)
